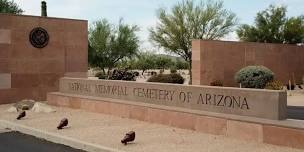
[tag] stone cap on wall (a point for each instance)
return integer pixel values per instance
(244, 42)
(8, 14)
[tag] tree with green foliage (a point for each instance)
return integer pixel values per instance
(145, 62)
(294, 30)
(109, 44)
(163, 62)
(7, 6)
(272, 26)
(187, 21)
(93, 58)
(128, 64)
(181, 64)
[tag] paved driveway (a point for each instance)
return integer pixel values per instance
(17, 142)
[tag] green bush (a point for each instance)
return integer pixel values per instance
(173, 70)
(275, 85)
(136, 73)
(153, 73)
(101, 75)
(217, 83)
(167, 78)
(254, 77)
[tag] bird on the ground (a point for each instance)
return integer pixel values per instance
(21, 115)
(63, 123)
(300, 87)
(130, 136)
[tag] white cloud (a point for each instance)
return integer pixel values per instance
(31, 7)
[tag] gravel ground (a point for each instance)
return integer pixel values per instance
(109, 130)
(2, 130)
(295, 98)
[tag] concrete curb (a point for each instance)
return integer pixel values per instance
(55, 138)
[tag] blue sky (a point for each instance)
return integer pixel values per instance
(143, 12)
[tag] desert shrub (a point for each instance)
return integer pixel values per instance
(173, 70)
(153, 73)
(101, 75)
(122, 75)
(167, 78)
(98, 74)
(275, 85)
(136, 73)
(254, 77)
(217, 83)
(161, 71)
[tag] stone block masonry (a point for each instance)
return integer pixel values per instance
(221, 60)
(245, 102)
(245, 114)
(283, 133)
(27, 72)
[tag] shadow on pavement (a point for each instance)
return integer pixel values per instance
(295, 112)
(18, 142)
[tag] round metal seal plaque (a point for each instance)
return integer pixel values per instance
(39, 37)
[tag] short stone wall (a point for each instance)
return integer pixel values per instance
(187, 107)
(283, 133)
(244, 102)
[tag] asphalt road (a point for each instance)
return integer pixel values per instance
(17, 142)
(295, 112)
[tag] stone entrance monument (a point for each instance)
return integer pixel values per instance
(36, 51)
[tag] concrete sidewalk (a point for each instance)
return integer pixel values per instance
(108, 130)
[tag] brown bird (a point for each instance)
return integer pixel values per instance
(130, 136)
(21, 115)
(63, 123)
